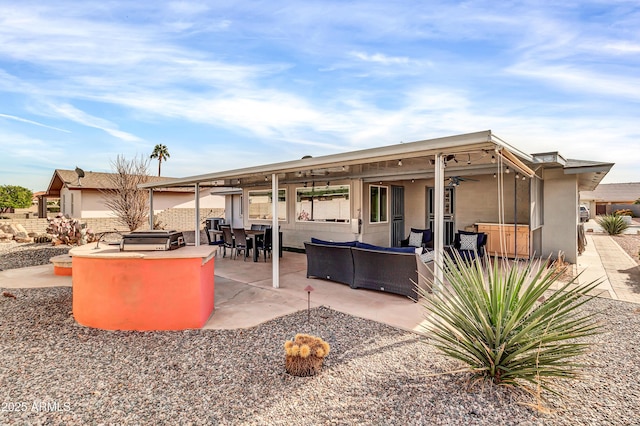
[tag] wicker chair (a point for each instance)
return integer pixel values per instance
(264, 243)
(329, 262)
(385, 271)
(242, 242)
(228, 241)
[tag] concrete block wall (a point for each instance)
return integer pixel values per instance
(31, 225)
(178, 219)
(184, 219)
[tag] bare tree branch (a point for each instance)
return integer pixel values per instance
(129, 203)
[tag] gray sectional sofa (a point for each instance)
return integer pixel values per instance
(361, 265)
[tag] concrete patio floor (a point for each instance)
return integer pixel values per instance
(244, 296)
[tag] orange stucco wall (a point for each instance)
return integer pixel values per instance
(142, 294)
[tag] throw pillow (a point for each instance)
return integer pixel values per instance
(415, 239)
(427, 256)
(468, 242)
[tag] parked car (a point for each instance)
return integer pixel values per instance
(584, 214)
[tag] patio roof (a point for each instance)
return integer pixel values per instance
(467, 154)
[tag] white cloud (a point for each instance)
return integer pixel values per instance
(379, 58)
(74, 114)
(35, 123)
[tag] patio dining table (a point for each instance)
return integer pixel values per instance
(253, 235)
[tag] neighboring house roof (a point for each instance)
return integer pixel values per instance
(623, 193)
(91, 181)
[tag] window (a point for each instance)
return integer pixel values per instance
(378, 203)
(323, 204)
(537, 198)
(260, 203)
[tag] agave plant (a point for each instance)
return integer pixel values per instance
(612, 224)
(505, 323)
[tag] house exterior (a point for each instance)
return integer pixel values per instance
(83, 197)
(377, 195)
(606, 198)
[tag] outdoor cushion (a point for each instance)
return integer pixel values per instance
(427, 256)
(415, 239)
(427, 235)
(468, 242)
(334, 243)
(482, 237)
(389, 249)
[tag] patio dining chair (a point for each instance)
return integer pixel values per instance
(228, 241)
(243, 243)
(263, 243)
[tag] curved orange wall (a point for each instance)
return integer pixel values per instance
(142, 294)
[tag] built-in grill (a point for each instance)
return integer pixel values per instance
(152, 240)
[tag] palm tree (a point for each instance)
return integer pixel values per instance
(161, 153)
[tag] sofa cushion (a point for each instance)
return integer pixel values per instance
(468, 242)
(334, 243)
(427, 256)
(427, 235)
(389, 249)
(415, 239)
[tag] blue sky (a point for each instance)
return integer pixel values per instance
(238, 84)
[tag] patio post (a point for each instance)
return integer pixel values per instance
(438, 223)
(150, 208)
(197, 233)
(275, 234)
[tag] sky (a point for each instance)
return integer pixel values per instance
(234, 84)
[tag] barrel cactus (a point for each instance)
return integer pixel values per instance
(305, 354)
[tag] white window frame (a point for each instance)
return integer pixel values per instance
(334, 221)
(386, 188)
(282, 212)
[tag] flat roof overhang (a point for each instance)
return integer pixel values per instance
(467, 154)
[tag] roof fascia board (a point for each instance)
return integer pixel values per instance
(606, 167)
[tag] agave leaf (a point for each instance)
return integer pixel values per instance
(489, 316)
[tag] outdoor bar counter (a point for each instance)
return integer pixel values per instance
(142, 290)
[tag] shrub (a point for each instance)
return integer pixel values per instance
(612, 224)
(65, 230)
(503, 324)
(623, 212)
(304, 355)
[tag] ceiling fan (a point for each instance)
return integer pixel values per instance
(456, 180)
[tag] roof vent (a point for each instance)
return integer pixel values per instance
(307, 156)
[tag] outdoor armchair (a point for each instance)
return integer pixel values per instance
(418, 238)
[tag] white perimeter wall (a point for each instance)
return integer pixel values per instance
(92, 202)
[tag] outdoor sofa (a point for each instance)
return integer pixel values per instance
(361, 265)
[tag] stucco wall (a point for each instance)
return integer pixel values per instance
(560, 231)
(478, 201)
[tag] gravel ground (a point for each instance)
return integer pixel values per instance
(375, 374)
(15, 255)
(53, 371)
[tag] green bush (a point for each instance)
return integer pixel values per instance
(612, 224)
(505, 323)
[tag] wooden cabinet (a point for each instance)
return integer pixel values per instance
(516, 239)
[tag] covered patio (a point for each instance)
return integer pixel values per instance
(445, 184)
